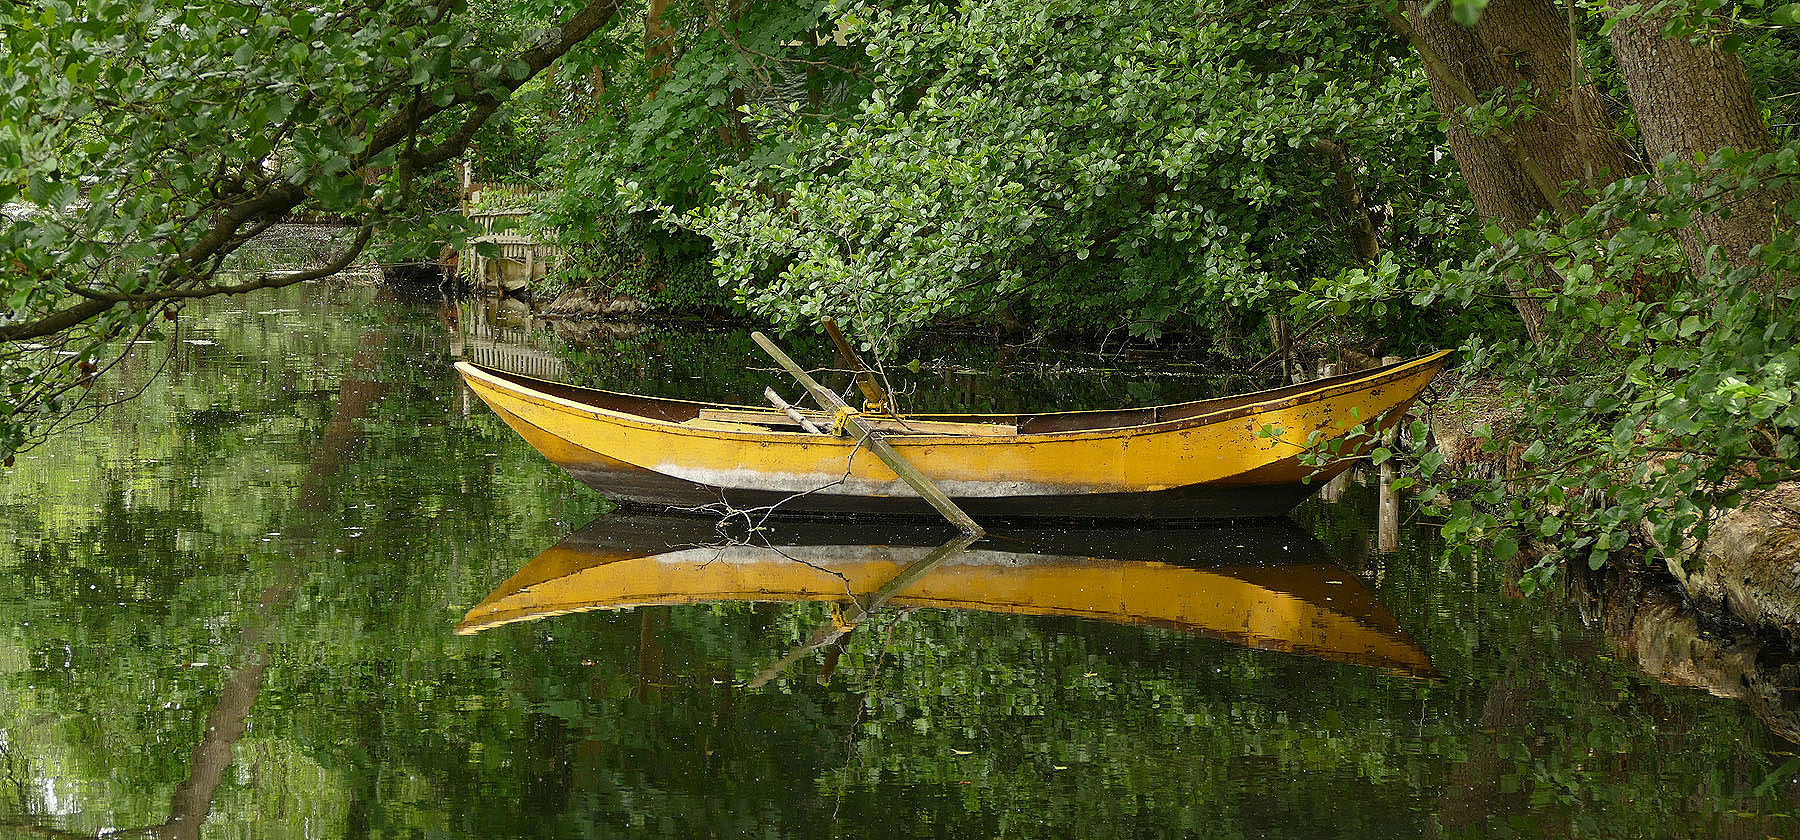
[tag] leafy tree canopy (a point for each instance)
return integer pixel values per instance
(1132, 163)
(149, 141)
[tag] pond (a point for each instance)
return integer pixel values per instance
(305, 587)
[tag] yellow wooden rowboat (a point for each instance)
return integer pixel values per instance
(1196, 460)
(1265, 587)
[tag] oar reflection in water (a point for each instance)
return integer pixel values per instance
(846, 622)
(1270, 587)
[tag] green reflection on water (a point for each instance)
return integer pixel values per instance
(282, 533)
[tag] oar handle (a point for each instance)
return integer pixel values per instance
(876, 398)
(791, 412)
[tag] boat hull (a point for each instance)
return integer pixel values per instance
(1211, 465)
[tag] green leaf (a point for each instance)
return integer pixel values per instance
(1505, 546)
(1467, 12)
(1533, 453)
(1430, 462)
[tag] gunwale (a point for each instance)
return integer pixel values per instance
(545, 393)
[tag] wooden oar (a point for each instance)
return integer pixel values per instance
(875, 400)
(831, 402)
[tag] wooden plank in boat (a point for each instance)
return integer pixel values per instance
(893, 427)
(710, 424)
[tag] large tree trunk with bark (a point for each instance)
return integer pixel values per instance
(1520, 53)
(1691, 100)
(659, 44)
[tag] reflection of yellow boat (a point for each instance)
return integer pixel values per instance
(1195, 460)
(1266, 587)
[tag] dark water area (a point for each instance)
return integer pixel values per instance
(968, 373)
(303, 587)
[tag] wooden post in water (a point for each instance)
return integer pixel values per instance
(1388, 510)
(830, 401)
(1278, 333)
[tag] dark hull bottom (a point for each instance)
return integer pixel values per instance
(651, 491)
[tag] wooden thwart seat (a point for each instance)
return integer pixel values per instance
(885, 425)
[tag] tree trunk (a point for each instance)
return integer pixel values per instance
(1365, 240)
(1278, 334)
(1519, 53)
(659, 44)
(733, 133)
(1692, 100)
(225, 726)
(229, 718)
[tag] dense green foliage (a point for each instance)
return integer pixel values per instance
(1128, 164)
(1124, 168)
(661, 112)
(147, 142)
(1648, 414)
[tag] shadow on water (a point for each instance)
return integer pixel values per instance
(689, 361)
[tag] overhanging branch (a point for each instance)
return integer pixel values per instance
(97, 302)
(267, 280)
(223, 234)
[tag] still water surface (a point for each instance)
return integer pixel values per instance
(302, 588)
